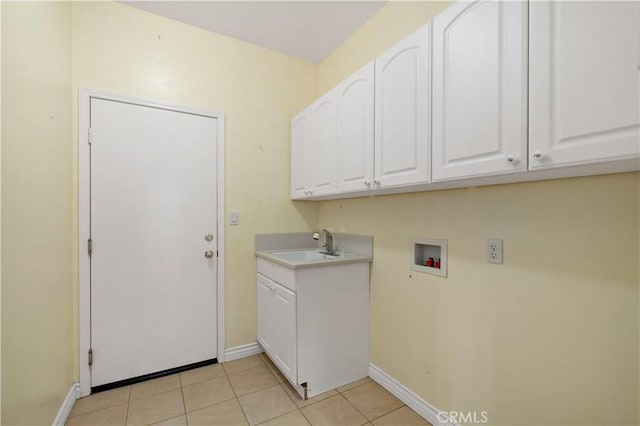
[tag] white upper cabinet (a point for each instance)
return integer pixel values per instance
(322, 146)
(479, 89)
(355, 131)
(299, 145)
(583, 82)
(402, 115)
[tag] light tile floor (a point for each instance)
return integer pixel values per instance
(248, 391)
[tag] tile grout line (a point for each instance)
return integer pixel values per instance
(356, 408)
(386, 414)
(184, 404)
(126, 418)
(101, 408)
(305, 417)
(226, 375)
(375, 418)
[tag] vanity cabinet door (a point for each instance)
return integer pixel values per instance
(283, 307)
(584, 61)
(265, 315)
(402, 112)
(479, 89)
(277, 325)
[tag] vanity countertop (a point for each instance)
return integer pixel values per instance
(309, 258)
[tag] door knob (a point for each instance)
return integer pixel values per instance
(208, 254)
(208, 237)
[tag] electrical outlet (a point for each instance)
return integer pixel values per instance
(494, 251)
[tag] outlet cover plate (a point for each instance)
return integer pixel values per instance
(494, 251)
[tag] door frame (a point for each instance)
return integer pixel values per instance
(84, 206)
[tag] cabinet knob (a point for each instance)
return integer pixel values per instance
(376, 183)
(537, 155)
(510, 159)
(310, 192)
(367, 183)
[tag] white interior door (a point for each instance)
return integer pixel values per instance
(153, 201)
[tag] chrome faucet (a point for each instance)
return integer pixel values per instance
(328, 242)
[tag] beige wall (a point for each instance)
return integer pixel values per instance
(391, 24)
(37, 308)
(52, 49)
(550, 336)
(123, 50)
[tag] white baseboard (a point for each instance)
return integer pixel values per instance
(67, 405)
(242, 351)
(410, 398)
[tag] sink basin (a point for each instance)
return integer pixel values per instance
(303, 256)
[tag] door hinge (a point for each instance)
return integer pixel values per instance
(89, 136)
(90, 357)
(90, 246)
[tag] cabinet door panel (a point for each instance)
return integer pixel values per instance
(479, 89)
(355, 131)
(583, 82)
(265, 314)
(299, 147)
(402, 116)
(284, 317)
(322, 159)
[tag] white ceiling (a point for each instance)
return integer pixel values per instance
(309, 30)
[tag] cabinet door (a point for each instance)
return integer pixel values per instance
(583, 93)
(284, 321)
(322, 141)
(299, 148)
(265, 314)
(402, 115)
(479, 89)
(355, 131)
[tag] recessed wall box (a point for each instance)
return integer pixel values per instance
(429, 255)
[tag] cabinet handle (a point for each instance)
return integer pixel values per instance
(510, 159)
(376, 183)
(537, 155)
(367, 183)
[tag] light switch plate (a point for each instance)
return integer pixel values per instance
(234, 217)
(494, 251)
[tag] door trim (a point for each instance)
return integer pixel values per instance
(84, 296)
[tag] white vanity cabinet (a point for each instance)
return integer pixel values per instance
(313, 322)
(480, 89)
(583, 82)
